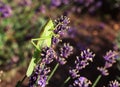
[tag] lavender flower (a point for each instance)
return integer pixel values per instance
(61, 25)
(83, 61)
(39, 76)
(61, 61)
(74, 73)
(63, 19)
(56, 3)
(87, 55)
(55, 40)
(103, 70)
(114, 84)
(48, 54)
(110, 59)
(42, 9)
(5, 10)
(66, 50)
(34, 77)
(82, 82)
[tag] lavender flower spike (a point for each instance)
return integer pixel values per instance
(103, 70)
(110, 59)
(39, 76)
(5, 10)
(48, 54)
(61, 25)
(82, 82)
(110, 56)
(87, 55)
(83, 60)
(66, 50)
(114, 84)
(74, 73)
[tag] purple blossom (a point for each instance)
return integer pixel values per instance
(5, 10)
(25, 2)
(98, 4)
(63, 19)
(82, 82)
(56, 3)
(42, 9)
(72, 32)
(39, 76)
(61, 25)
(61, 61)
(48, 54)
(55, 40)
(66, 1)
(66, 50)
(42, 81)
(74, 73)
(83, 60)
(110, 59)
(114, 84)
(34, 77)
(80, 64)
(103, 70)
(87, 55)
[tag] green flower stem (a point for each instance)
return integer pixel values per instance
(66, 81)
(97, 80)
(19, 83)
(50, 76)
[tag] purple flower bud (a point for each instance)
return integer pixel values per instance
(114, 84)
(48, 54)
(56, 3)
(83, 61)
(66, 50)
(110, 57)
(39, 76)
(74, 73)
(61, 61)
(42, 81)
(42, 9)
(82, 82)
(87, 55)
(63, 19)
(5, 10)
(103, 71)
(55, 40)
(61, 25)
(98, 4)
(65, 2)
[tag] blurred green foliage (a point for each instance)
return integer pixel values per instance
(17, 30)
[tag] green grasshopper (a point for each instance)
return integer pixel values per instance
(44, 40)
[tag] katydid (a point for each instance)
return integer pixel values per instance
(44, 40)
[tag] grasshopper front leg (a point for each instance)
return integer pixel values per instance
(39, 39)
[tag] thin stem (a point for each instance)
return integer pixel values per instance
(97, 80)
(50, 76)
(19, 83)
(66, 81)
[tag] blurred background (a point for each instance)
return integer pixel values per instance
(94, 24)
